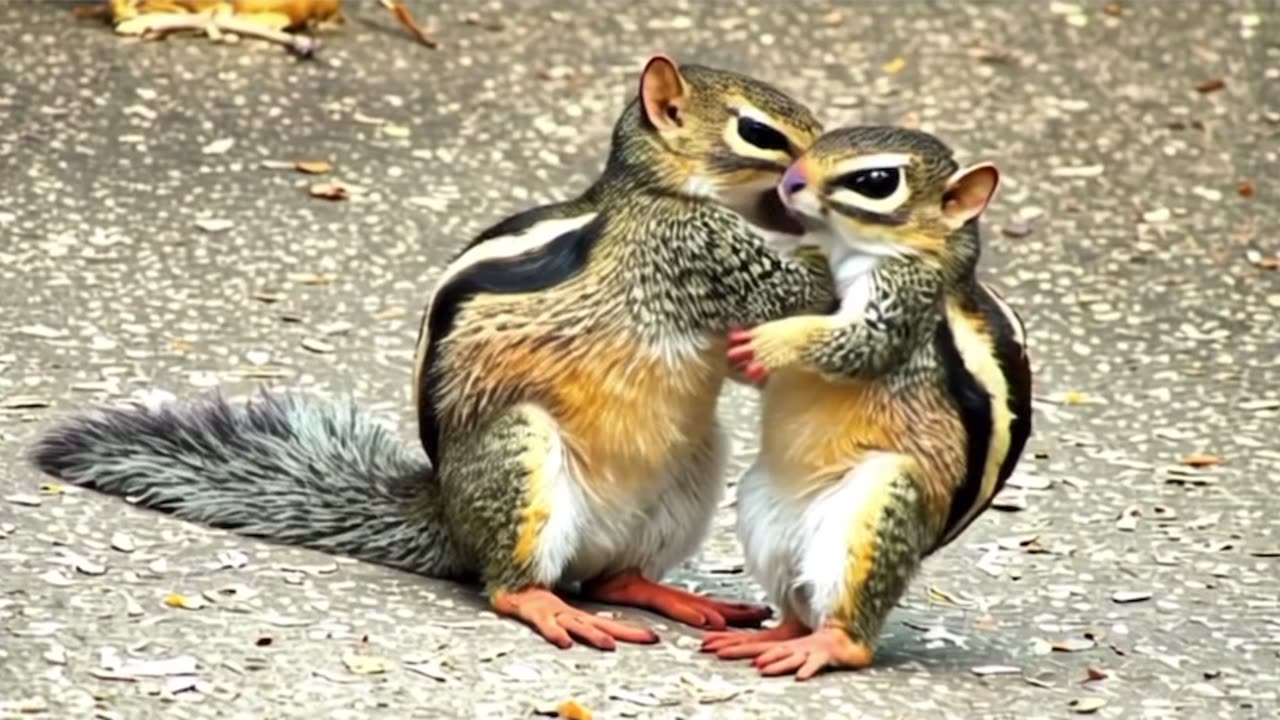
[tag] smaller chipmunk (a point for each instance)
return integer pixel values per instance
(888, 425)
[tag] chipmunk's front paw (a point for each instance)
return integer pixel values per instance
(768, 348)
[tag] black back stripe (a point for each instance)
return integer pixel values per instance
(1016, 368)
(538, 269)
(973, 403)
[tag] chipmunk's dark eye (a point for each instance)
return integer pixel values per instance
(761, 135)
(873, 183)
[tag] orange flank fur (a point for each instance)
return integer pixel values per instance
(623, 412)
(870, 416)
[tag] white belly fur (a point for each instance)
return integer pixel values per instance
(797, 548)
(587, 536)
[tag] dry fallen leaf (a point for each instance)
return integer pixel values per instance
(1093, 674)
(317, 345)
(122, 542)
(214, 225)
(329, 191)
(1211, 85)
(23, 402)
(1199, 460)
(1130, 596)
(178, 600)
(218, 147)
(573, 710)
(1245, 188)
(313, 167)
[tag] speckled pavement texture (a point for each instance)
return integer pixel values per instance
(144, 244)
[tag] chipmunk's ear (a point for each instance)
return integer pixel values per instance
(663, 93)
(968, 193)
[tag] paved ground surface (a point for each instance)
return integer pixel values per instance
(1146, 275)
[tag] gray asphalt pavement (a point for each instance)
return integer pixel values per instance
(144, 245)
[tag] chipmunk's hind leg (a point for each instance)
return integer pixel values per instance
(673, 530)
(879, 515)
(511, 498)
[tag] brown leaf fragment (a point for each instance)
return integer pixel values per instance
(313, 167)
(1086, 706)
(1093, 674)
(1114, 9)
(329, 191)
(1245, 188)
(401, 12)
(1200, 460)
(1210, 86)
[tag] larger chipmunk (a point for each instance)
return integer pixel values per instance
(888, 425)
(566, 382)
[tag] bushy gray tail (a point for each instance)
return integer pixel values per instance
(296, 470)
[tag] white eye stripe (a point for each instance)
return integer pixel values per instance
(741, 146)
(748, 110)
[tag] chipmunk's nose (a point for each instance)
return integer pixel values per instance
(793, 181)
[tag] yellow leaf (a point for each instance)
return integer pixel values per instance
(894, 66)
(571, 710)
(1071, 397)
(178, 600)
